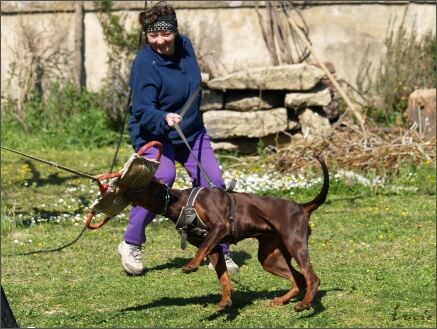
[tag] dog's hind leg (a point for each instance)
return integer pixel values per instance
(275, 259)
(300, 252)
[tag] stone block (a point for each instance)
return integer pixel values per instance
(231, 124)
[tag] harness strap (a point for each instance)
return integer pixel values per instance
(232, 185)
(232, 217)
(187, 216)
(193, 195)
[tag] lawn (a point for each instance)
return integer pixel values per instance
(374, 248)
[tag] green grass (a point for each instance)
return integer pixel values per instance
(373, 248)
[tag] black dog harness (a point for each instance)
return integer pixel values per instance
(189, 223)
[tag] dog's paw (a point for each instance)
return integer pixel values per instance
(277, 301)
(302, 307)
(189, 269)
(223, 307)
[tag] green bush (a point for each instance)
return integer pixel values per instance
(64, 119)
(409, 64)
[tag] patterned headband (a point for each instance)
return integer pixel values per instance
(163, 23)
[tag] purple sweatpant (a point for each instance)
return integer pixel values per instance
(139, 217)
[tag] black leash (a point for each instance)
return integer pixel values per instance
(50, 250)
(181, 134)
(93, 178)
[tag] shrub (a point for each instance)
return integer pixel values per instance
(409, 64)
(65, 118)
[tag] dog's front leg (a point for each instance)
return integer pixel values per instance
(213, 238)
(218, 260)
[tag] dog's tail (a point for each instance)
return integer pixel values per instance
(321, 197)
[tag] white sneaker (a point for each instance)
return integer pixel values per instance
(131, 258)
(230, 265)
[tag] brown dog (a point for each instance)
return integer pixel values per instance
(280, 226)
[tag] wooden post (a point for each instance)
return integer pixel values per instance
(78, 47)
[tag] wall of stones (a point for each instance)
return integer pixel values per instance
(242, 108)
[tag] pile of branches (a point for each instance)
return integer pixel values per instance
(349, 149)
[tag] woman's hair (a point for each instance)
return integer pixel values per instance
(149, 19)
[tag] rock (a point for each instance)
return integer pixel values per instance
(314, 123)
(331, 110)
(231, 124)
(211, 100)
(283, 77)
(253, 100)
(318, 96)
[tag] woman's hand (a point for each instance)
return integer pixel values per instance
(171, 118)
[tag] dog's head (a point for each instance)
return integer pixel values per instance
(148, 197)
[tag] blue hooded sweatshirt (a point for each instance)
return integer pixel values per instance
(162, 85)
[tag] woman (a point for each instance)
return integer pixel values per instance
(164, 75)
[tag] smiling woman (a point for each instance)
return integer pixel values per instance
(161, 31)
(165, 81)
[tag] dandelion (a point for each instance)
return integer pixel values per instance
(381, 236)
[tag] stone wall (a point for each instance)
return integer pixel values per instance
(242, 108)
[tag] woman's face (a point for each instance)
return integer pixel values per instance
(163, 42)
